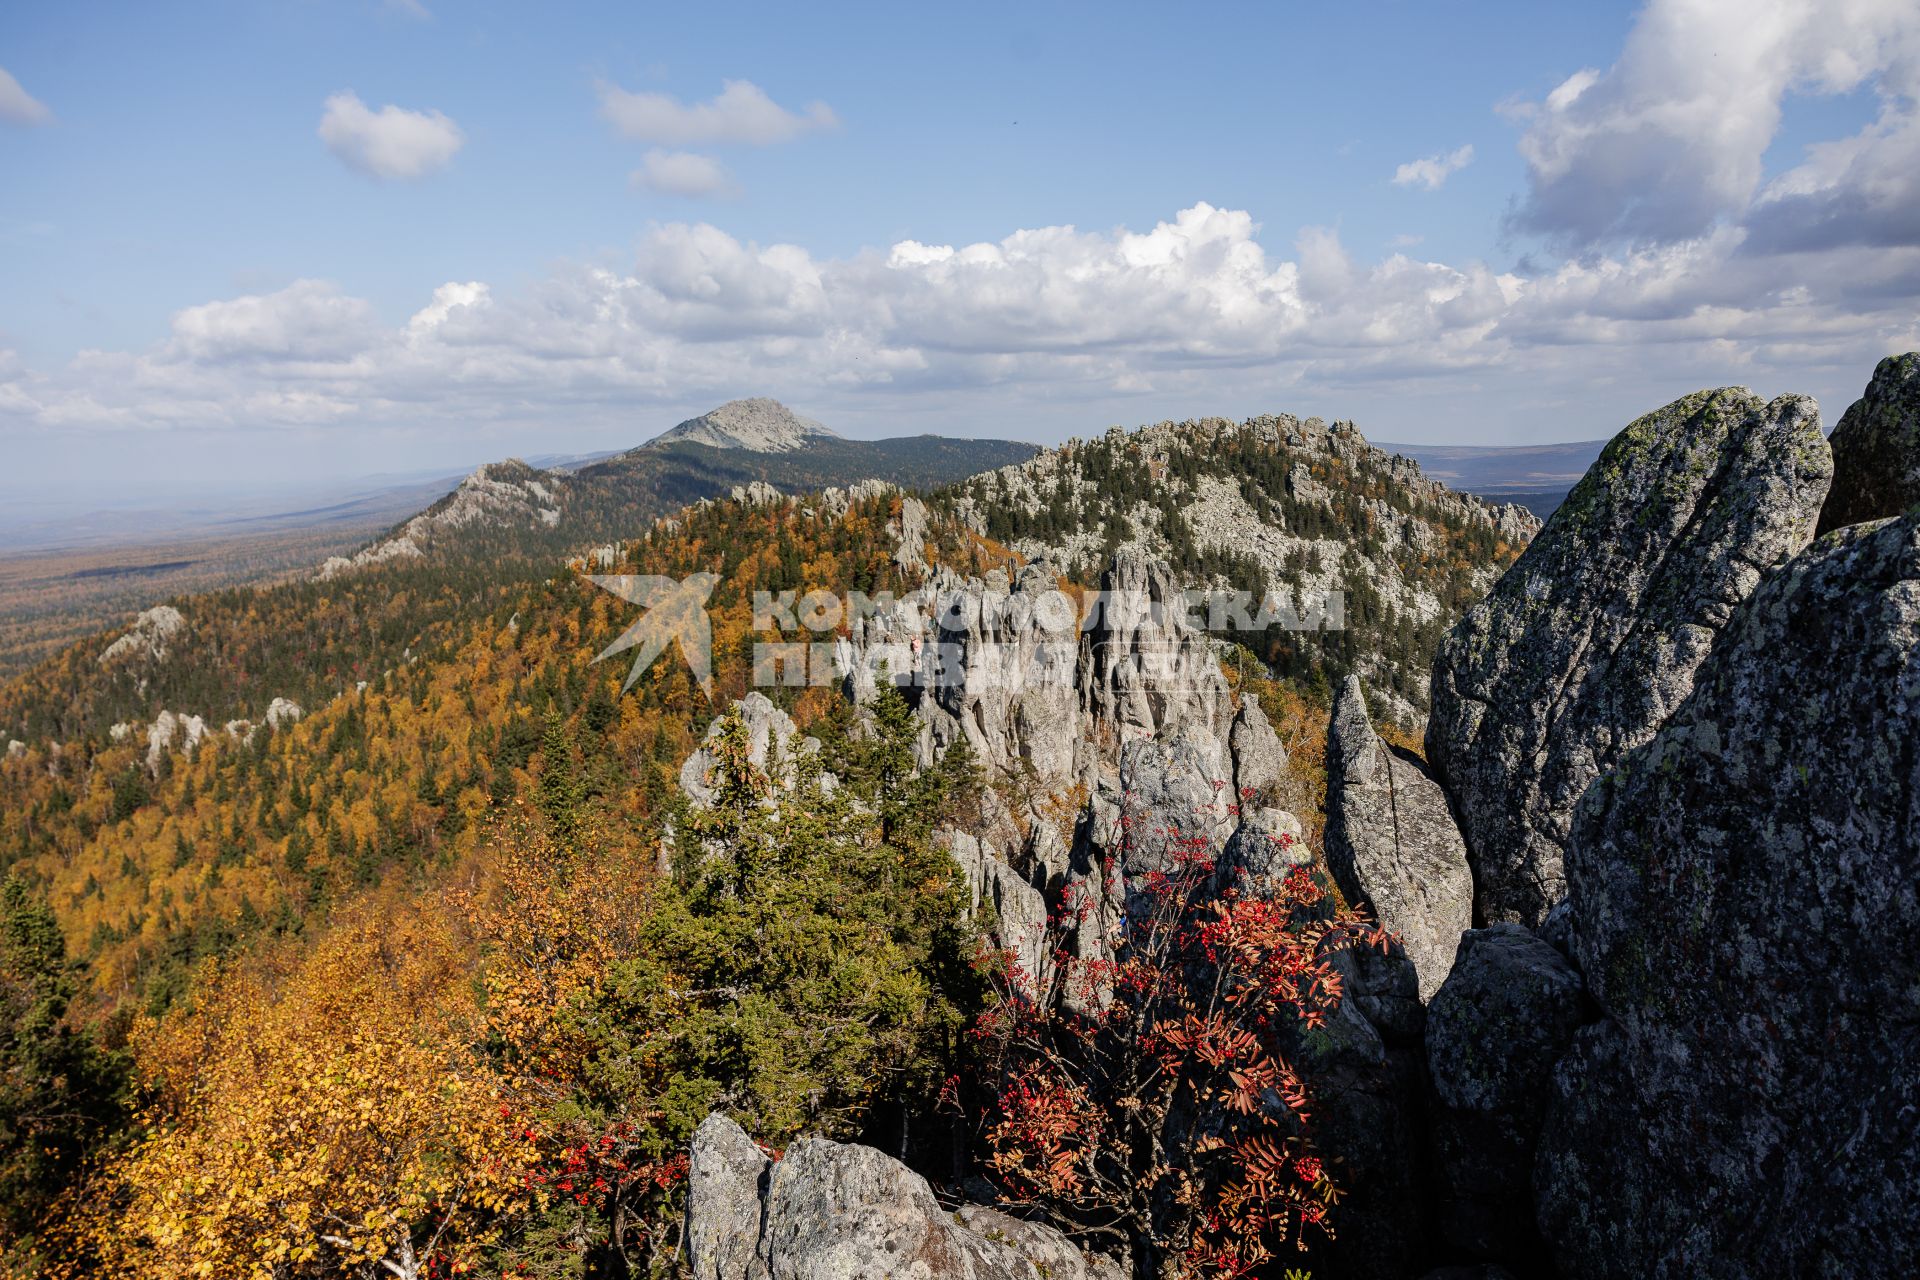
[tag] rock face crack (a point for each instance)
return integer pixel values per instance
(1741, 886)
(1592, 638)
(1391, 841)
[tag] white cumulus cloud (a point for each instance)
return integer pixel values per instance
(1671, 139)
(1432, 171)
(308, 321)
(19, 106)
(391, 143)
(1184, 316)
(742, 113)
(682, 173)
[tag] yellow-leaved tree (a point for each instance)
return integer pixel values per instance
(317, 1112)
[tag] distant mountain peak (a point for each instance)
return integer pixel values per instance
(761, 425)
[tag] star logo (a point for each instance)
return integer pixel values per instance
(676, 610)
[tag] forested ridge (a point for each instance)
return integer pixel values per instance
(1268, 506)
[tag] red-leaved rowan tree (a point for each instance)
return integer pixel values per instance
(1157, 1113)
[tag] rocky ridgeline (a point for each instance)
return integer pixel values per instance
(1274, 503)
(1113, 743)
(499, 494)
(1685, 1040)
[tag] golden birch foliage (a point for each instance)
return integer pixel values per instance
(318, 1115)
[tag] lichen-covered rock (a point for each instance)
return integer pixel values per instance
(832, 1211)
(1745, 888)
(1876, 448)
(1507, 1013)
(1391, 841)
(1591, 639)
(726, 1194)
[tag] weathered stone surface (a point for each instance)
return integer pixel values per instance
(726, 1191)
(1173, 806)
(1876, 448)
(1592, 637)
(777, 748)
(1508, 1011)
(828, 1211)
(1745, 889)
(1020, 910)
(1266, 845)
(1391, 841)
(1258, 758)
(1051, 1253)
(911, 553)
(1147, 669)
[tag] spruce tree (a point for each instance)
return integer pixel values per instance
(61, 1096)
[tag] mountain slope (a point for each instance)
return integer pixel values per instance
(760, 425)
(511, 511)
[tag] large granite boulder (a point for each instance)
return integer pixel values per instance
(1263, 851)
(1876, 448)
(833, 1211)
(1745, 889)
(1391, 842)
(726, 1201)
(775, 746)
(1174, 807)
(1591, 639)
(1508, 1011)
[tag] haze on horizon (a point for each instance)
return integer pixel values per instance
(262, 246)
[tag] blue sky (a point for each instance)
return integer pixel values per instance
(212, 261)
